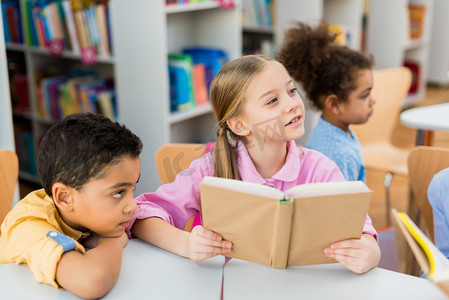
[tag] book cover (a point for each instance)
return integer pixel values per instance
(288, 228)
(13, 22)
(71, 28)
(431, 260)
(182, 65)
(417, 13)
(38, 26)
(199, 84)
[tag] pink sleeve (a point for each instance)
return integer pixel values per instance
(178, 201)
(368, 227)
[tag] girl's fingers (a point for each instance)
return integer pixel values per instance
(205, 233)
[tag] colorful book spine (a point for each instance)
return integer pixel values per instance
(70, 23)
(12, 26)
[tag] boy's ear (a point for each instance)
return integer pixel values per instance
(63, 196)
(238, 127)
(332, 104)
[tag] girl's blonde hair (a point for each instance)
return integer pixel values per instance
(227, 95)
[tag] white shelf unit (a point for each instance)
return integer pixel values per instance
(144, 32)
(439, 45)
(348, 13)
(388, 39)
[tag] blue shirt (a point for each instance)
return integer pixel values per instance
(438, 194)
(342, 148)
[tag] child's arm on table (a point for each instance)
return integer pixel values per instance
(197, 245)
(358, 255)
(93, 274)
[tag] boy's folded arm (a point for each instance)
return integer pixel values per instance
(158, 232)
(93, 274)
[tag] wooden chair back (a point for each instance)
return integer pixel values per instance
(173, 158)
(9, 172)
(390, 88)
(423, 163)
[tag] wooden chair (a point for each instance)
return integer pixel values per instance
(172, 159)
(390, 89)
(9, 172)
(423, 163)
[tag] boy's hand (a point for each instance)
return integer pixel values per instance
(204, 243)
(358, 255)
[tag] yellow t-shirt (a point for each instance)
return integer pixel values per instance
(34, 233)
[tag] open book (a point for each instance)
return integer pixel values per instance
(288, 228)
(431, 260)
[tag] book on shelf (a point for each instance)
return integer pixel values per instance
(18, 82)
(75, 92)
(182, 90)
(288, 228)
(12, 27)
(257, 13)
(212, 58)
(24, 142)
(431, 260)
(68, 25)
(200, 84)
(417, 14)
(190, 75)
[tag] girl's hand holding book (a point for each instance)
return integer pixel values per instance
(358, 255)
(204, 243)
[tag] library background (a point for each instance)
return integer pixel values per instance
(149, 63)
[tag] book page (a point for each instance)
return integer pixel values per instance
(247, 187)
(438, 263)
(327, 188)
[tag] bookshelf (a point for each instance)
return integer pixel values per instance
(348, 13)
(143, 33)
(28, 59)
(388, 39)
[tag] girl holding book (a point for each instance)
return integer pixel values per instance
(260, 113)
(338, 81)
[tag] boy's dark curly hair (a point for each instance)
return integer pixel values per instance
(79, 148)
(321, 66)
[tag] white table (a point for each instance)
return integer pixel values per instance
(427, 119)
(147, 272)
(245, 280)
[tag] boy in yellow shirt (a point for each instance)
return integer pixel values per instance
(88, 167)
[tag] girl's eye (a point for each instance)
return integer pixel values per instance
(292, 91)
(274, 100)
(118, 194)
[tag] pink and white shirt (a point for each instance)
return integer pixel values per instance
(178, 201)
